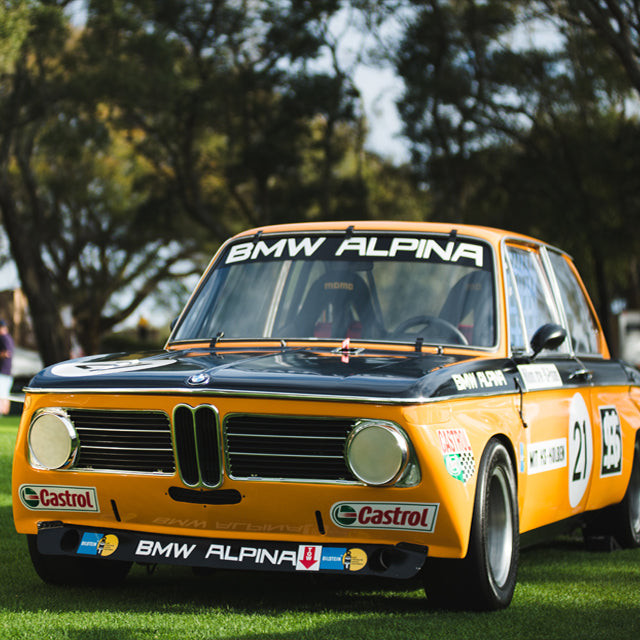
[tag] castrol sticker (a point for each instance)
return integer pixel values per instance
(41, 497)
(412, 516)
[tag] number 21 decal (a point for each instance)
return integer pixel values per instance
(580, 449)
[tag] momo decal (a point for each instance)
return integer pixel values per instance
(360, 246)
(458, 455)
(97, 544)
(547, 455)
(40, 497)
(611, 464)
(77, 369)
(539, 376)
(479, 380)
(385, 515)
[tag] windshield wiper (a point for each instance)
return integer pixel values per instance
(219, 336)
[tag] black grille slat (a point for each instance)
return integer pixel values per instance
(207, 440)
(135, 441)
(273, 447)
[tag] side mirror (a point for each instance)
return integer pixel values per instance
(548, 336)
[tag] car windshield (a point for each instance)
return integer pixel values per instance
(376, 287)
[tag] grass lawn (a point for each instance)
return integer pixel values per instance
(563, 592)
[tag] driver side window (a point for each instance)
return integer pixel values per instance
(531, 304)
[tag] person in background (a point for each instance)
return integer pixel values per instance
(6, 355)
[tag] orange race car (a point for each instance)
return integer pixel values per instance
(355, 398)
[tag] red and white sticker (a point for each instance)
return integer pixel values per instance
(41, 497)
(410, 516)
(309, 558)
(454, 441)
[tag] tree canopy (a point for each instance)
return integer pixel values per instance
(136, 136)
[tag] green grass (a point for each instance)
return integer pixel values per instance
(563, 592)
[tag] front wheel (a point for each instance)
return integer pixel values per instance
(485, 579)
(73, 572)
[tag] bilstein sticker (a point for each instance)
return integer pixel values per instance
(413, 516)
(40, 497)
(97, 544)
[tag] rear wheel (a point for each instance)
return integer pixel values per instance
(620, 521)
(486, 578)
(71, 571)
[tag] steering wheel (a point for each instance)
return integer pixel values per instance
(433, 325)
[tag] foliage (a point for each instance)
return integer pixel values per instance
(522, 121)
(133, 145)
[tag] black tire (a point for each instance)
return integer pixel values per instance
(620, 521)
(626, 515)
(76, 572)
(485, 579)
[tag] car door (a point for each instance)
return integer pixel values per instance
(611, 407)
(556, 451)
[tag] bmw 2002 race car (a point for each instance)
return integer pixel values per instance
(357, 398)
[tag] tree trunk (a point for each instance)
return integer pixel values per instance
(51, 336)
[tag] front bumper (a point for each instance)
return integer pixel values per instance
(392, 561)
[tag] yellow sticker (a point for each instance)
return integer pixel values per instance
(354, 560)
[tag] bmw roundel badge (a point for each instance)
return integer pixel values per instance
(198, 379)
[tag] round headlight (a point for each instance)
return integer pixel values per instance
(377, 453)
(53, 440)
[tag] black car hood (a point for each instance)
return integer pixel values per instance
(306, 372)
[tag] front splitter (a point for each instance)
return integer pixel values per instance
(393, 561)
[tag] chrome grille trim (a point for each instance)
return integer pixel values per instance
(289, 448)
(123, 441)
(197, 445)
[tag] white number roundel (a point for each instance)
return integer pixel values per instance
(580, 449)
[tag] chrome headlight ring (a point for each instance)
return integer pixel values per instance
(377, 453)
(53, 440)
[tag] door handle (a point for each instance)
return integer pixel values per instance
(581, 375)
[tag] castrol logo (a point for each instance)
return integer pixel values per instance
(411, 516)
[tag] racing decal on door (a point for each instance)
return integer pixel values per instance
(547, 456)
(611, 442)
(580, 449)
(539, 376)
(458, 455)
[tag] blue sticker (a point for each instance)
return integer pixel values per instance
(89, 543)
(332, 558)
